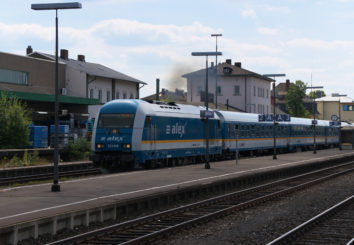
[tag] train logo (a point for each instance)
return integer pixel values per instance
(176, 130)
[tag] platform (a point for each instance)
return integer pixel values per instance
(21, 205)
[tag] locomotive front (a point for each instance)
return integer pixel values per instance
(112, 134)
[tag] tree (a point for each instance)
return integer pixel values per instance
(316, 94)
(294, 98)
(14, 122)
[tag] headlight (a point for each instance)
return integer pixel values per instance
(126, 146)
(100, 146)
(114, 131)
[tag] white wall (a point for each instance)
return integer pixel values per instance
(75, 82)
(258, 103)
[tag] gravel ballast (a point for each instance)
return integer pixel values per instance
(264, 223)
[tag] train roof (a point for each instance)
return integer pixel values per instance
(185, 110)
(251, 117)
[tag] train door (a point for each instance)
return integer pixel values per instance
(151, 133)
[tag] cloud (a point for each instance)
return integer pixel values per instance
(267, 31)
(320, 44)
(249, 13)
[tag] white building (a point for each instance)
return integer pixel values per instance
(240, 88)
(95, 81)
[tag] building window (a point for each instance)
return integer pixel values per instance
(91, 93)
(108, 96)
(236, 90)
(100, 95)
(131, 96)
(117, 95)
(218, 90)
(15, 77)
(267, 93)
(254, 90)
(124, 95)
(200, 89)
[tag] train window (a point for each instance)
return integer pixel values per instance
(122, 120)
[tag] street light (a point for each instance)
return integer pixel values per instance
(314, 117)
(216, 69)
(339, 120)
(206, 98)
(274, 123)
(56, 6)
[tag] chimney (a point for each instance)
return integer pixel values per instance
(287, 84)
(81, 57)
(64, 54)
(157, 89)
(228, 61)
(238, 64)
(29, 50)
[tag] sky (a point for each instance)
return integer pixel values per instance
(312, 41)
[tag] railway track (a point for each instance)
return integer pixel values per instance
(47, 176)
(145, 229)
(333, 226)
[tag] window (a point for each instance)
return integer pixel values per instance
(199, 90)
(131, 96)
(108, 96)
(124, 95)
(218, 90)
(267, 93)
(348, 108)
(237, 90)
(15, 77)
(91, 93)
(116, 121)
(100, 95)
(117, 95)
(254, 90)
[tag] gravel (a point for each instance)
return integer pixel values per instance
(262, 224)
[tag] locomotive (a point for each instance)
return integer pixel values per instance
(136, 133)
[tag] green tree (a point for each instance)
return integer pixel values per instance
(14, 122)
(294, 98)
(316, 94)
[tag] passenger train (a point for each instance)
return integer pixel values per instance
(142, 134)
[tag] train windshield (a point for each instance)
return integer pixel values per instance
(122, 120)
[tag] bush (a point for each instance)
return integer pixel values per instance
(76, 150)
(14, 122)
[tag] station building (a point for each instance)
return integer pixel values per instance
(83, 86)
(242, 89)
(336, 105)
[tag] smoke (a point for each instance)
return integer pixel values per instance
(175, 79)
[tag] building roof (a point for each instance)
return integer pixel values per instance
(343, 99)
(92, 69)
(227, 69)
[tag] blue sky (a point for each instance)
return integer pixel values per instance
(150, 39)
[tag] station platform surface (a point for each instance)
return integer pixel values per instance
(26, 203)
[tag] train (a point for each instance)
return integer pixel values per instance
(140, 134)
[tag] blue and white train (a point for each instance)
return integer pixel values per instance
(140, 134)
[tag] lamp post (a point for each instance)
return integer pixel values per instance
(216, 68)
(339, 120)
(206, 101)
(274, 123)
(314, 117)
(56, 6)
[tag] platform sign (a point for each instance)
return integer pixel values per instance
(314, 122)
(335, 123)
(206, 114)
(270, 118)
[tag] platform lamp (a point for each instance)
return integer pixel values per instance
(274, 103)
(314, 116)
(339, 120)
(206, 101)
(56, 7)
(216, 68)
